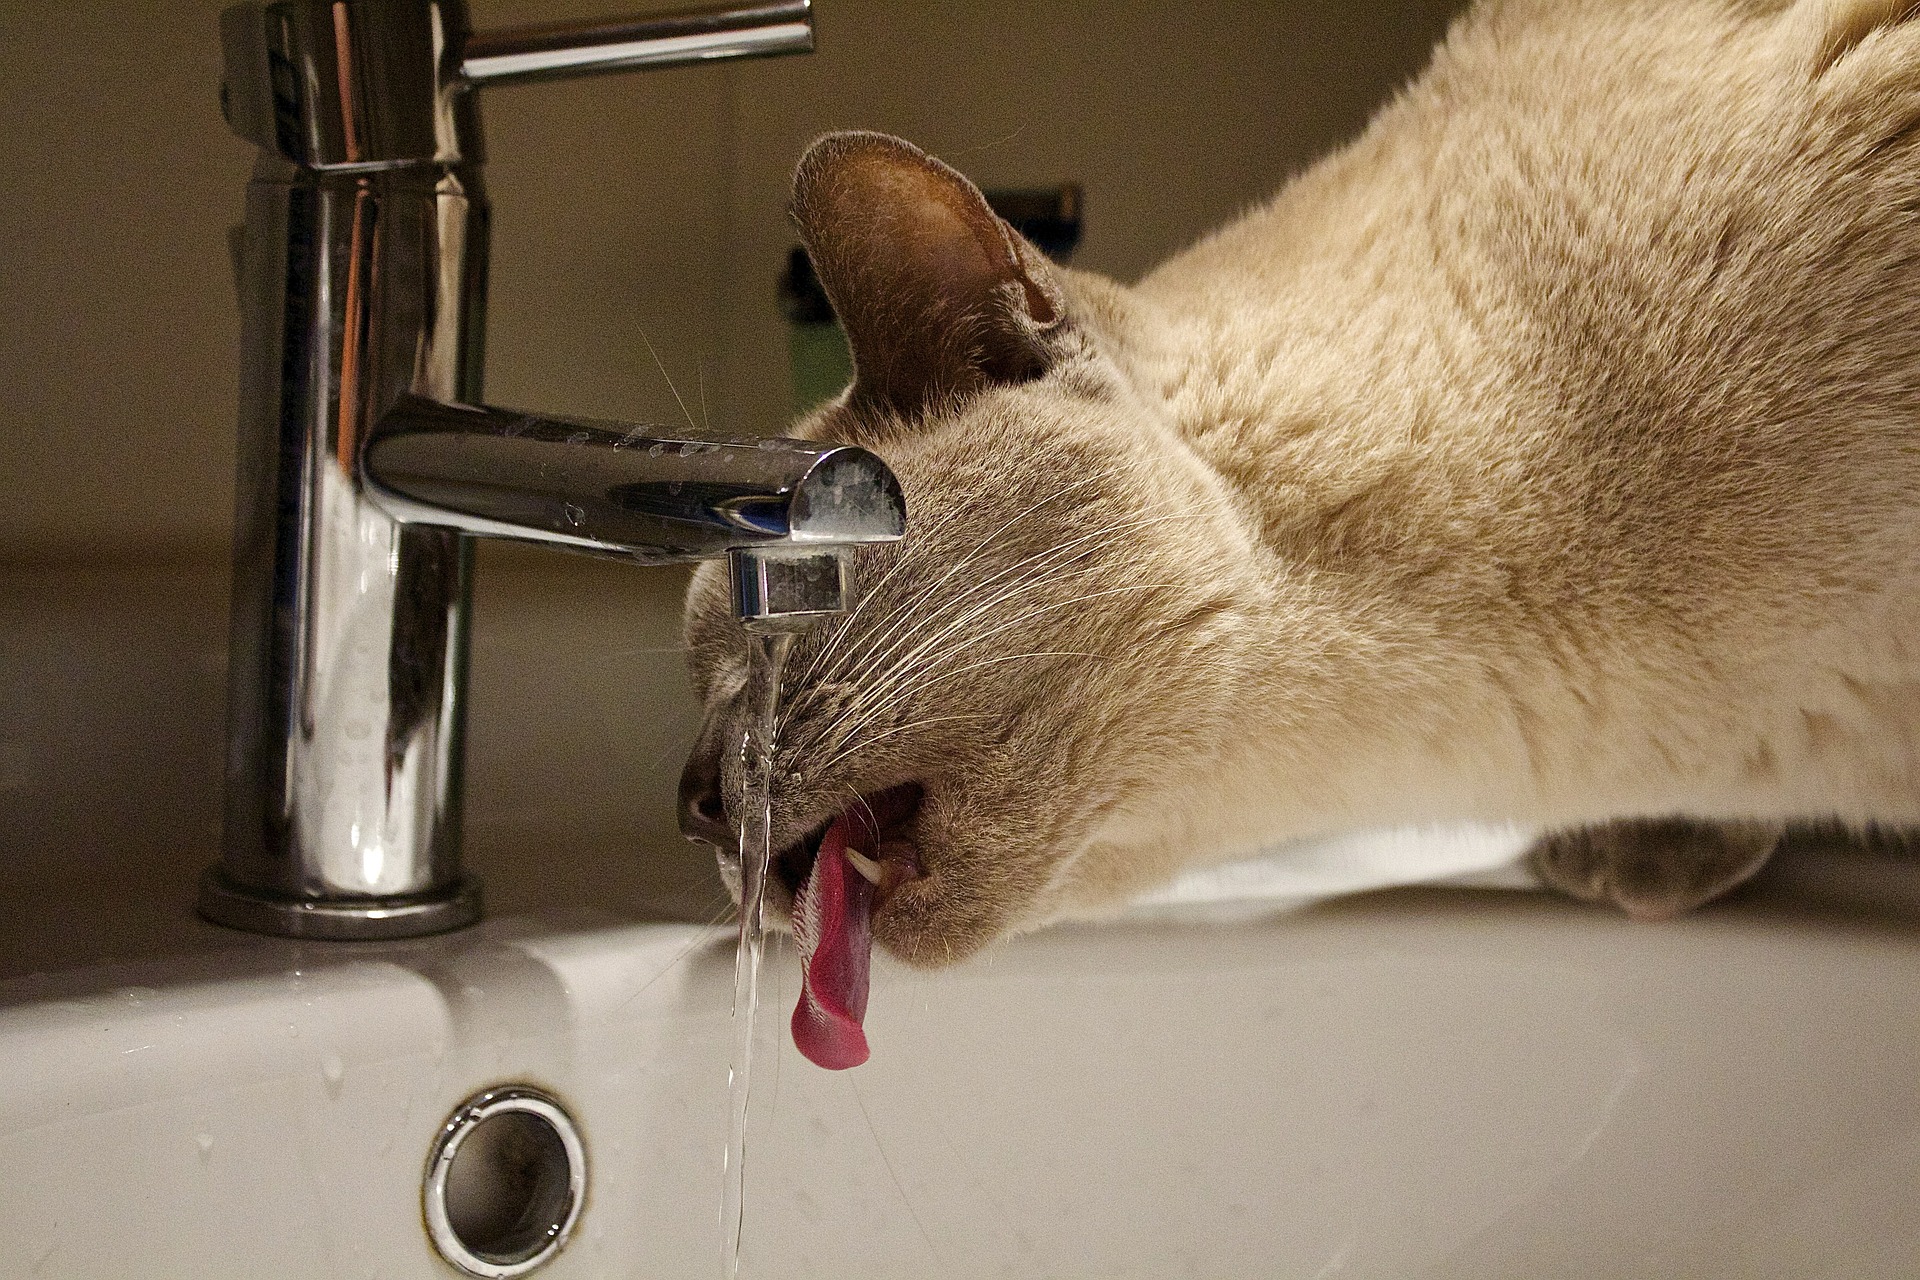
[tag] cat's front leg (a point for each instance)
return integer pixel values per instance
(1653, 868)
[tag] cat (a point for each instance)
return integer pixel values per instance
(1547, 456)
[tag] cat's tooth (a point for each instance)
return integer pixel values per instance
(866, 866)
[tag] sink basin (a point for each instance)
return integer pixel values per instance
(1419, 1082)
(1415, 1082)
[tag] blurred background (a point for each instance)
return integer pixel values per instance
(627, 210)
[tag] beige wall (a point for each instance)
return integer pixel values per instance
(647, 203)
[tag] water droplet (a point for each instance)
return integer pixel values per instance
(204, 1141)
(688, 449)
(655, 449)
(577, 438)
(334, 1072)
(575, 514)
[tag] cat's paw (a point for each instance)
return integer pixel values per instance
(1653, 868)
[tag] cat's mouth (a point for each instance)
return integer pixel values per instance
(839, 878)
(880, 848)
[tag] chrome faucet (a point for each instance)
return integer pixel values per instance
(366, 461)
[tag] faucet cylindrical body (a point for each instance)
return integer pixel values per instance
(349, 628)
(361, 282)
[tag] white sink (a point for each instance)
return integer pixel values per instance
(1421, 1082)
(1414, 1083)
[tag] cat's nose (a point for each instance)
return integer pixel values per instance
(702, 816)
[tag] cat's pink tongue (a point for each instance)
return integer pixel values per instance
(833, 925)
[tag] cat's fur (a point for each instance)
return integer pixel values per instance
(1548, 455)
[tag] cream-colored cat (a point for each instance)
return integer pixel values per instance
(1549, 455)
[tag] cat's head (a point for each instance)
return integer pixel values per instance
(1034, 669)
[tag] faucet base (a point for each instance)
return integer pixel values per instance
(369, 919)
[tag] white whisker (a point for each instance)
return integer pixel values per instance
(906, 610)
(843, 626)
(1020, 586)
(662, 365)
(832, 760)
(870, 714)
(699, 939)
(879, 685)
(881, 689)
(1112, 533)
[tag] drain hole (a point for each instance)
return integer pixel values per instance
(507, 1187)
(505, 1183)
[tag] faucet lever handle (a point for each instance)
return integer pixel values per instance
(632, 44)
(362, 85)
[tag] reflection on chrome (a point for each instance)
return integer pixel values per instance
(366, 460)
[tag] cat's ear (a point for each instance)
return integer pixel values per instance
(938, 296)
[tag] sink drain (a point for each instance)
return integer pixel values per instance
(505, 1182)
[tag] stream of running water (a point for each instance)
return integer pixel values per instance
(766, 654)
